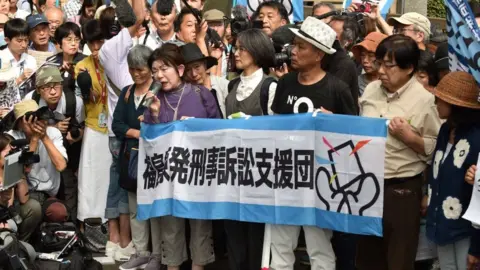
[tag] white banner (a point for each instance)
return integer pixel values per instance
(325, 171)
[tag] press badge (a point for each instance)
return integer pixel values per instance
(102, 120)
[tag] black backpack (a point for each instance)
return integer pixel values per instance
(263, 91)
(48, 241)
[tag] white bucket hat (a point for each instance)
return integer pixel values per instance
(317, 33)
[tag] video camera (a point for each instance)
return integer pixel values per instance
(241, 22)
(284, 56)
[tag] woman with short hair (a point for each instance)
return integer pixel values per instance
(253, 92)
(176, 100)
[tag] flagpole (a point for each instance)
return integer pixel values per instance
(267, 239)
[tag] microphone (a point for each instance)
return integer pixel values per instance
(154, 88)
(125, 15)
(84, 82)
(239, 12)
(328, 14)
(164, 7)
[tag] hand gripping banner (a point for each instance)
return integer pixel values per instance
(323, 170)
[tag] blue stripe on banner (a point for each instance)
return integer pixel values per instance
(262, 213)
(335, 123)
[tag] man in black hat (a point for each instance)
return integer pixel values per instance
(197, 66)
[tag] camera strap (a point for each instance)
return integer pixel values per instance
(103, 98)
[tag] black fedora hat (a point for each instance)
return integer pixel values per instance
(191, 53)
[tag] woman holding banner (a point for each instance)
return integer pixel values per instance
(178, 100)
(458, 243)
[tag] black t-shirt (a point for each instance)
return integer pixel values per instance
(329, 93)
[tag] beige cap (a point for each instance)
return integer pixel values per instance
(213, 15)
(413, 18)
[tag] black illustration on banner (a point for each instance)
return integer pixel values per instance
(329, 186)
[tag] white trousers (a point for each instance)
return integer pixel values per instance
(285, 240)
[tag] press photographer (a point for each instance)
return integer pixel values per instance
(69, 110)
(36, 195)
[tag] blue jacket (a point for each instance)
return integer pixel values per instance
(449, 194)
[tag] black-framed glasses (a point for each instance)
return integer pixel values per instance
(378, 64)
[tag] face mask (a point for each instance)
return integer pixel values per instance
(2, 38)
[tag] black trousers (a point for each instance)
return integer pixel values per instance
(244, 244)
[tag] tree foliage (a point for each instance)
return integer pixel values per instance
(436, 9)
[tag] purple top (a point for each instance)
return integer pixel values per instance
(196, 101)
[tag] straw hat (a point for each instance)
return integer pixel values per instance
(458, 88)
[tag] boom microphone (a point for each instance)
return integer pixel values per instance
(84, 82)
(125, 15)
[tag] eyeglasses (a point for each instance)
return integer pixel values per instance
(403, 30)
(238, 49)
(56, 87)
(72, 40)
(377, 64)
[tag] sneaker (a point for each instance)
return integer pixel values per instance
(110, 249)
(154, 264)
(135, 262)
(124, 254)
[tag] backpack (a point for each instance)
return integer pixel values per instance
(70, 106)
(263, 91)
(14, 253)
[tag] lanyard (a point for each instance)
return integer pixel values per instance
(102, 84)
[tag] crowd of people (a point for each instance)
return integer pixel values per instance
(100, 77)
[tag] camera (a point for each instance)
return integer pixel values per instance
(284, 56)
(52, 117)
(365, 6)
(26, 156)
(239, 25)
(7, 213)
(74, 127)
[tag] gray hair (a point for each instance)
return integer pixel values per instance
(51, 9)
(426, 36)
(323, 4)
(138, 56)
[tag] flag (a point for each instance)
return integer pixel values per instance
(463, 38)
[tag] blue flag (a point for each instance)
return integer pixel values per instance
(463, 38)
